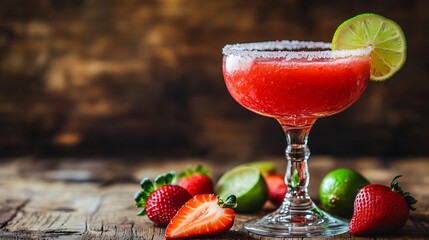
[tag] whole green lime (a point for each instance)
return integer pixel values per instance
(338, 191)
(247, 184)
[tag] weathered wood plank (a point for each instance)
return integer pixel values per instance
(9, 208)
(112, 217)
(72, 199)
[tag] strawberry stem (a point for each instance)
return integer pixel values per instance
(394, 185)
(230, 202)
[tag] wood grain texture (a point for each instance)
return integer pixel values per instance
(93, 198)
(93, 77)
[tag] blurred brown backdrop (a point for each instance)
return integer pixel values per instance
(144, 78)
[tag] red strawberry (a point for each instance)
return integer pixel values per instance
(276, 188)
(162, 203)
(379, 209)
(196, 181)
(201, 216)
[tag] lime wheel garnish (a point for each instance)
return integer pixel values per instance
(385, 38)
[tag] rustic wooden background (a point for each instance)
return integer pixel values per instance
(132, 77)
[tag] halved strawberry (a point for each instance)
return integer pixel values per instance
(203, 215)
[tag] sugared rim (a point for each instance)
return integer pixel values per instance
(290, 50)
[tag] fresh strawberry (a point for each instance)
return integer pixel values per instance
(379, 209)
(201, 216)
(162, 203)
(196, 181)
(276, 188)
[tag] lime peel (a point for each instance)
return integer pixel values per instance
(338, 191)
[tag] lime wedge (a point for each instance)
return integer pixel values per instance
(384, 36)
(247, 184)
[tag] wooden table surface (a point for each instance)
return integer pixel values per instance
(93, 198)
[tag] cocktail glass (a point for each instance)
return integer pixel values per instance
(296, 82)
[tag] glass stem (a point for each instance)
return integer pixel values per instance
(297, 176)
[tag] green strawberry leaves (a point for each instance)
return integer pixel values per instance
(164, 179)
(141, 196)
(146, 185)
(142, 212)
(394, 185)
(199, 169)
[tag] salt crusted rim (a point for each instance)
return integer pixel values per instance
(290, 50)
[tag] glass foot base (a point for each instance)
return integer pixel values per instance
(309, 223)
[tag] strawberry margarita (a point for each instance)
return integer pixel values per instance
(296, 83)
(298, 90)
